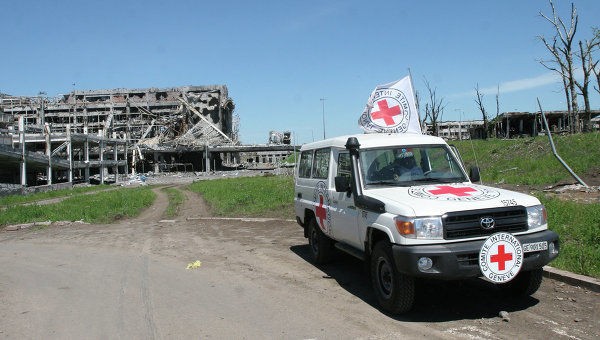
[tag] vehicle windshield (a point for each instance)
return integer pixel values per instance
(410, 165)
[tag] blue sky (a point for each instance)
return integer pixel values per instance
(278, 58)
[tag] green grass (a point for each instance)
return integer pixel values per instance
(101, 207)
(578, 226)
(21, 199)
(530, 161)
(176, 199)
(271, 196)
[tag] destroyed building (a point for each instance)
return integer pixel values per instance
(522, 124)
(101, 133)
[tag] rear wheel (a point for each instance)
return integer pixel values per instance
(525, 284)
(394, 291)
(320, 244)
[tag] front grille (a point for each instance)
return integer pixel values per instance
(466, 224)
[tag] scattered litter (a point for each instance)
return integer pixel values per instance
(12, 228)
(194, 265)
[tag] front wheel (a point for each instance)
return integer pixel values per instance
(320, 244)
(525, 284)
(395, 291)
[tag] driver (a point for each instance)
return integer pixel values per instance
(405, 164)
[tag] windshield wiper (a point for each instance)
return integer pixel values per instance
(393, 183)
(450, 180)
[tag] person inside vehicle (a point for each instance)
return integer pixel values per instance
(405, 165)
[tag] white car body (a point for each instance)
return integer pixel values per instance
(431, 212)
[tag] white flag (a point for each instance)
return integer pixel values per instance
(391, 108)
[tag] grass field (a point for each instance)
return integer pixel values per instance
(530, 160)
(579, 228)
(101, 207)
(271, 196)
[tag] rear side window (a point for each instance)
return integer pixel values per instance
(321, 164)
(306, 159)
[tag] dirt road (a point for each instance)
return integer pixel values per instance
(129, 280)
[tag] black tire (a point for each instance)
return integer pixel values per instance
(394, 291)
(525, 284)
(320, 244)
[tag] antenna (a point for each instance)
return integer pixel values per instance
(323, 102)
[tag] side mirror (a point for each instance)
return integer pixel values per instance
(342, 184)
(474, 174)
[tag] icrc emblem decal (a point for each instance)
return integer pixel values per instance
(322, 207)
(390, 112)
(501, 257)
(453, 192)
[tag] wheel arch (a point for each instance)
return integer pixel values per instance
(376, 233)
(308, 216)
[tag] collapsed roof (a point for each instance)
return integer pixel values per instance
(151, 118)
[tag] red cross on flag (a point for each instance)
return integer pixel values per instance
(391, 108)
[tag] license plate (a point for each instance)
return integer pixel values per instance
(536, 246)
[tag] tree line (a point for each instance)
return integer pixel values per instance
(569, 58)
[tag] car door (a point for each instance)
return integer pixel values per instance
(345, 219)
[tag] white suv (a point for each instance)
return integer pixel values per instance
(404, 204)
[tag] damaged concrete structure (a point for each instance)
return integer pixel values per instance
(522, 124)
(101, 135)
(98, 134)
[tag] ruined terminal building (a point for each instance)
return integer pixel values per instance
(101, 133)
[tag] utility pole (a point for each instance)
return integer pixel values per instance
(460, 112)
(323, 102)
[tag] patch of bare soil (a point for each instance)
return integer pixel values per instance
(156, 210)
(194, 205)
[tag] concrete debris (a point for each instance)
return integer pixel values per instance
(576, 187)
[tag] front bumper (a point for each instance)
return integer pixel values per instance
(461, 260)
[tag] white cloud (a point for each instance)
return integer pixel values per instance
(515, 85)
(525, 84)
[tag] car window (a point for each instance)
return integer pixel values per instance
(344, 165)
(406, 165)
(306, 158)
(321, 164)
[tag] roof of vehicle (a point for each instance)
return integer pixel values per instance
(374, 140)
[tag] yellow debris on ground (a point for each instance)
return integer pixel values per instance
(194, 265)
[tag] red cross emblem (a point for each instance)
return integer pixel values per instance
(320, 211)
(386, 113)
(501, 257)
(446, 189)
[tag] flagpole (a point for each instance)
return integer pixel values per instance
(415, 97)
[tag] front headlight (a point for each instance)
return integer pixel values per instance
(536, 216)
(422, 228)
